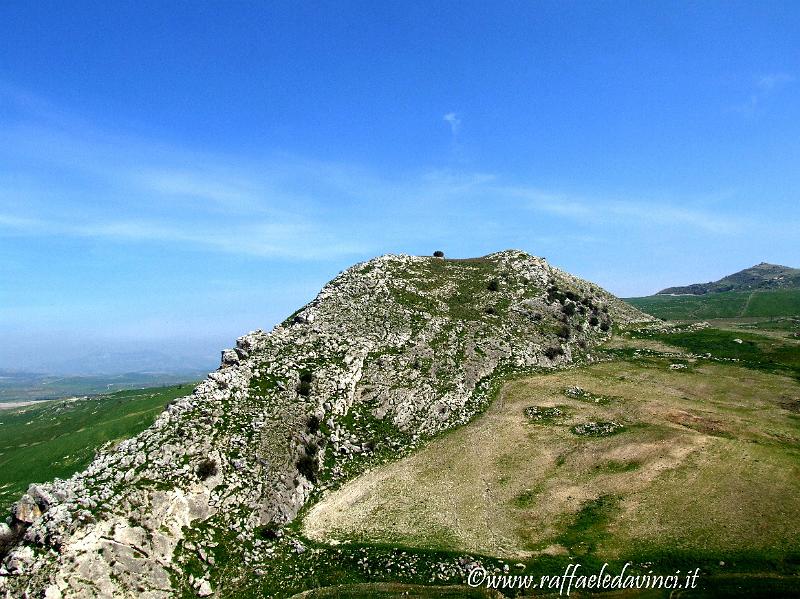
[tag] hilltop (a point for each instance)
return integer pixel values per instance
(760, 276)
(391, 353)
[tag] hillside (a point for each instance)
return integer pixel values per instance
(762, 303)
(58, 438)
(760, 276)
(389, 354)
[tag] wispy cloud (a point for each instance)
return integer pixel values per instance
(265, 240)
(762, 88)
(451, 118)
(639, 214)
(773, 81)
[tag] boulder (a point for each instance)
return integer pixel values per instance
(26, 509)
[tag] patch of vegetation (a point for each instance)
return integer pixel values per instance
(206, 469)
(589, 527)
(597, 429)
(554, 351)
(313, 424)
(617, 466)
(526, 499)
(307, 465)
(581, 394)
(751, 350)
(545, 415)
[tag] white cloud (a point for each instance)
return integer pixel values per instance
(455, 123)
(648, 213)
(292, 241)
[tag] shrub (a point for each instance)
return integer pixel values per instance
(268, 532)
(304, 388)
(594, 321)
(564, 332)
(306, 377)
(307, 466)
(438, 254)
(313, 424)
(568, 309)
(206, 469)
(494, 285)
(605, 326)
(554, 294)
(552, 352)
(490, 310)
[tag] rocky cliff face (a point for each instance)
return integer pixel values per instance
(391, 352)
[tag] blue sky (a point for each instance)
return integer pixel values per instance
(174, 174)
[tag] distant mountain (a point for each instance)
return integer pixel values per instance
(27, 386)
(106, 362)
(760, 276)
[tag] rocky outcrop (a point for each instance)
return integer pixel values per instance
(392, 351)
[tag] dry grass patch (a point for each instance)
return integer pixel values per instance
(708, 445)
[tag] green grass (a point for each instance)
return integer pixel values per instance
(392, 590)
(590, 525)
(59, 438)
(731, 304)
(774, 324)
(755, 351)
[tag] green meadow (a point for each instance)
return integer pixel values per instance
(57, 438)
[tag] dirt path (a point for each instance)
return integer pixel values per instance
(746, 304)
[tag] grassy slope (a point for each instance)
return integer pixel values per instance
(732, 304)
(755, 351)
(59, 438)
(707, 451)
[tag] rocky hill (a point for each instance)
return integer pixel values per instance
(391, 352)
(760, 276)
